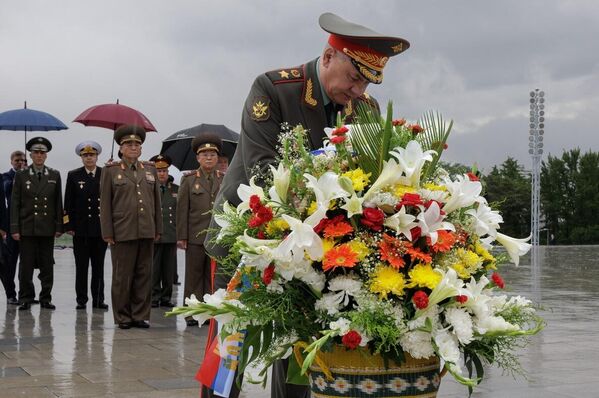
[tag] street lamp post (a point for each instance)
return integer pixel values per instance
(535, 149)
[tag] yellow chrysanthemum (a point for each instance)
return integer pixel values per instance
(276, 226)
(433, 187)
(327, 244)
(385, 280)
(423, 275)
(489, 261)
(467, 263)
(400, 190)
(360, 248)
(461, 270)
(358, 178)
(312, 208)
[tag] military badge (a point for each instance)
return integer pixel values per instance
(260, 109)
(65, 219)
(81, 183)
(295, 73)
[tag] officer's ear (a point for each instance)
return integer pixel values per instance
(327, 55)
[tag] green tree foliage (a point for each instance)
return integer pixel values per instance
(508, 187)
(570, 197)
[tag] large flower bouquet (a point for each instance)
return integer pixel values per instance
(369, 245)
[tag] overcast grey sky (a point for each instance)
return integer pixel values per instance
(186, 62)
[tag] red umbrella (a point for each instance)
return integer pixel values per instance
(112, 116)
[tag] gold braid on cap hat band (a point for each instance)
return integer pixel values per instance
(369, 75)
(373, 61)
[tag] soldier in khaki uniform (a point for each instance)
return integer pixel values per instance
(130, 221)
(196, 198)
(35, 220)
(312, 95)
(165, 249)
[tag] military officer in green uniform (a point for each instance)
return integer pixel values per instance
(130, 220)
(312, 95)
(196, 198)
(165, 249)
(35, 220)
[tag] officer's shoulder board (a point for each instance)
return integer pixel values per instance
(189, 173)
(286, 75)
(112, 164)
(148, 163)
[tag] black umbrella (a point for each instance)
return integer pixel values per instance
(178, 145)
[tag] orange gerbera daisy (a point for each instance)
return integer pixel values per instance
(339, 256)
(392, 250)
(337, 229)
(417, 254)
(445, 241)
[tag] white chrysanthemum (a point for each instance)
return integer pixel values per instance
(417, 343)
(341, 325)
(494, 324)
(431, 312)
(329, 302)
(449, 349)
(347, 285)
(461, 321)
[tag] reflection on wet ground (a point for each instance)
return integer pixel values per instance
(70, 353)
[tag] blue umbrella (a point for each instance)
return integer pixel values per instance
(29, 120)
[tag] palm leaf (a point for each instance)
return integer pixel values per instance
(436, 132)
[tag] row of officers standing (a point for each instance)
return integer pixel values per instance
(131, 206)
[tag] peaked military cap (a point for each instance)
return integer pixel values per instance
(161, 161)
(129, 132)
(88, 147)
(368, 50)
(38, 144)
(207, 142)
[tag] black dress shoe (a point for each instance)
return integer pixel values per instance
(125, 325)
(48, 306)
(177, 283)
(35, 302)
(101, 306)
(13, 301)
(167, 304)
(25, 306)
(192, 322)
(140, 324)
(155, 304)
(80, 306)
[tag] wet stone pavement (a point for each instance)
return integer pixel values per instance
(70, 353)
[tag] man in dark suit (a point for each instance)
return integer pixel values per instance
(165, 249)
(131, 222)
(35, 220)
(311, 95)
(82, 221)
(10, 247)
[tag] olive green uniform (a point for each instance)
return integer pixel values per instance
(130, 215)
(165, 249)
(36, 214)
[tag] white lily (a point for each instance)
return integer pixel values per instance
(390, 175)
(245, 192)
(401, 222)
(486, 220)
(431, 220)
(326, 188)
(302, 239)
(412, 158)
(515, 247)
(257, 252)
(221, 220)
(449, 286)
(353, 205)
(280, 177)
(478, 301)
(462, 193)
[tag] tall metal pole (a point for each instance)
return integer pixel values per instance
(535, 149)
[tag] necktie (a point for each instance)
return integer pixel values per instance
(90, 174)
(162, 189)
(328, 110)
(133, 167)
(39, 175)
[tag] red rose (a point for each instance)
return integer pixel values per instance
(420, 300)
(416, 129)
(410, 199)
(472, 176)
(338, 139)
(399, 122)
(340, 131)
(322, 224)
(461, 298)
(498, 280)
(255, 202)
(268, 274)
(373, 218)
(416, 233)
(351, 339)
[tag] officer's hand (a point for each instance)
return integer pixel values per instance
(109, 240)
(72, 233)
(182, 244)
(16, 236)
(157, 238)
(58, 234)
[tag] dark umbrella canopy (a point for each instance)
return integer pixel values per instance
(29, 120)
(113, 116)
(178, 145)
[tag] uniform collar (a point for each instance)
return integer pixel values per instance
(325, 98)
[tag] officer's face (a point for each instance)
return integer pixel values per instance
(223, 164)
(208, 160)
(162, 175)
(339, 77)
(18, 162)
(89, 160)
(38, 157)
(131, 150)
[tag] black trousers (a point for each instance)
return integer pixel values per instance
(8, 266)
(89, 250)
(163, 271)
(36, 252)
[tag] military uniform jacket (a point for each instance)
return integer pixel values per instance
(168, 200)
(290, 95)
(36, 205)
(129, 205)
(82, 203)
(194, 205)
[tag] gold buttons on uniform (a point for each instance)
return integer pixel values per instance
(141, 209)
